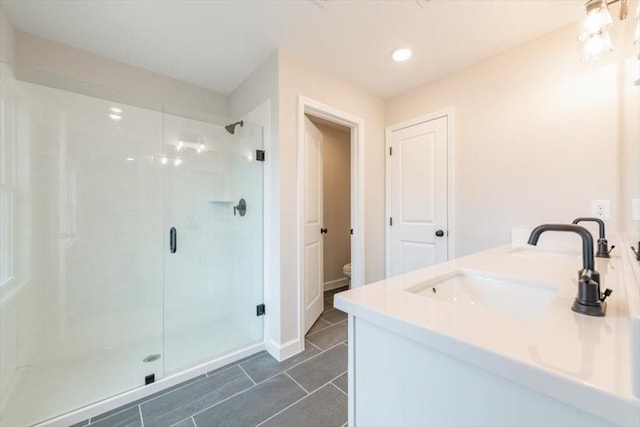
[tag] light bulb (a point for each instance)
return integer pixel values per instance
(595, 45)
(179, 146)
(598, 19)
(177, 162)
(164, 160)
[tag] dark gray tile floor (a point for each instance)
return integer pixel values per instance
(309, 389)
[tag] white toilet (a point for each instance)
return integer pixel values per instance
(346, 270)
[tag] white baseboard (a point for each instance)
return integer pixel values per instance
(334, 284)
(284, 351)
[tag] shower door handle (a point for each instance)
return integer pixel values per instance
(173, 240)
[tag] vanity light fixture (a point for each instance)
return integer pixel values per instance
(115, 117)
(594, 31)
(401, 54)
(116, 110)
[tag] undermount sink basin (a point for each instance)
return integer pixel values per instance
(510, 297)
(534, 251)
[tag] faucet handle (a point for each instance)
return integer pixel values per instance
(603, 250)
(606, 294)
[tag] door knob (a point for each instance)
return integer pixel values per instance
(323, 231)
(439, 233)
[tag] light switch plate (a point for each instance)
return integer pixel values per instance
(601, 209)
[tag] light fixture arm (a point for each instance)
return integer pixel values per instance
(595, 4)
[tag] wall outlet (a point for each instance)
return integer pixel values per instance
(601, 209)
(635, 209)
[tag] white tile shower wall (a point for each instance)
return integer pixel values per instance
(95, 226)
(8, 298)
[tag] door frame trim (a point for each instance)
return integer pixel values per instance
(449, 113)
(356, 126)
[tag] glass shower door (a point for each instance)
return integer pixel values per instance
(213, 241)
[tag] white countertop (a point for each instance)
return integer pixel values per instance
(582, 360)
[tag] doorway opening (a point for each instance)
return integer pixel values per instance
(330, 210)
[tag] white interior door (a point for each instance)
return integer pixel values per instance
(417, 169)
(312, 263)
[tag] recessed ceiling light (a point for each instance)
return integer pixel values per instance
(130, 159)
(401, 54)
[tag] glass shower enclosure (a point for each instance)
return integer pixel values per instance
(131, 247)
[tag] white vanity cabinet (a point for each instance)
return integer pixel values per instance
(417, 360)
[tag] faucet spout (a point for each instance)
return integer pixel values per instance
(597, 220)
(603, 249)
(590, 300)
(587, 240)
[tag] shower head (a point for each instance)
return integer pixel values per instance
(232, 127)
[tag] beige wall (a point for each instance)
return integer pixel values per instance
(299, 78)
(336, 196)
(46, 62)
(537, 135)
(7, 39)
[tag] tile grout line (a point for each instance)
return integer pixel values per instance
(266, 379)
(176, 423)
(313, 345)
(339, 389)
(165, 392)
(304, 361)
(194, 421)
(236, 363)
(225, 399)
(249, 376)
(333, 379)
(299, 385)
(327, 320)
(328, 326)
(161, 394)
(284, 409)
(208, 374)
(332, 325)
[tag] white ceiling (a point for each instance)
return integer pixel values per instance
(217, 44)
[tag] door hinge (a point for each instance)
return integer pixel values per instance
(260, 155)
(260, 310)
(391, 151)
(390, 220)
